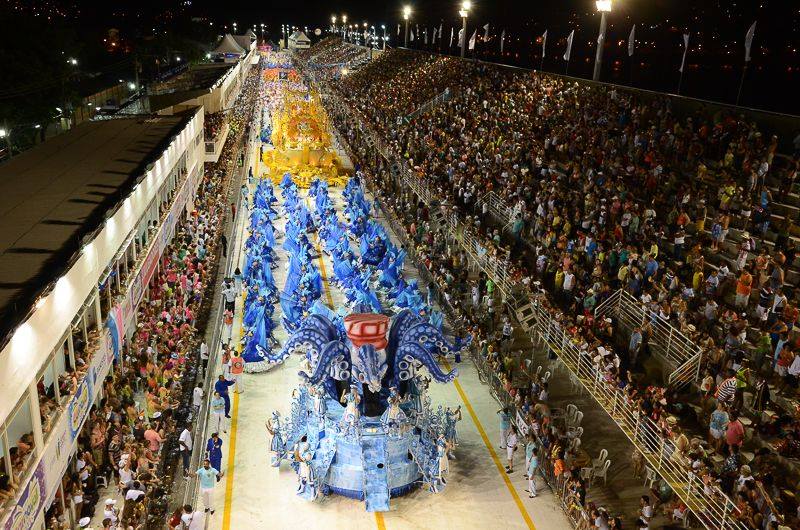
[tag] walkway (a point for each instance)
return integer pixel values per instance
(479, 493)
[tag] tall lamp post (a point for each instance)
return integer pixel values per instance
(383, 27)
(333, 23)
(344, 27)
(464, 11)
(406, 16)
(603, 6)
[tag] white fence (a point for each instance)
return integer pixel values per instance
(679, 351)
(713, 509)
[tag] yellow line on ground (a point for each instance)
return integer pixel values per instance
(236, 335)
(492, 452)
(226, 516)
(379, 521)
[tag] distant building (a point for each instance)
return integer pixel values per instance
(299, 41)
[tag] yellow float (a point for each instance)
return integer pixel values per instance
(301, 142)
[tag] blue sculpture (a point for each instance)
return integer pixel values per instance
(361, 423)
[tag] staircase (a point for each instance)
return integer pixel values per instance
(376, 478)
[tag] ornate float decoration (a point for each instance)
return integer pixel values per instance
(361, 422)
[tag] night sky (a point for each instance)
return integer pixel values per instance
(714, 62)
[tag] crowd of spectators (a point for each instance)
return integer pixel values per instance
(213, 124)
(617, 190)
(127, 439)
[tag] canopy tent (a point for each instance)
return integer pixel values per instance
(228, 45)
(244, 41)
(299, 40)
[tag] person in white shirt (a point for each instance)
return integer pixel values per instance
(197, 397)
(135, 493)
(111, 511)
(511, 446)
(204, 356)
(191, 519)
(185, 444)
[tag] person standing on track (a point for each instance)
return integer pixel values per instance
(208, 479)
(237, 368)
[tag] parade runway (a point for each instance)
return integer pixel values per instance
(479, 494)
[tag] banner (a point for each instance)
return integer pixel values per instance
(632, 41)
(685, 49)
(569, 45)
(544, 42)
(486, 32)
(748, 42)
(502, 41)
(472, 39)
(451, 36)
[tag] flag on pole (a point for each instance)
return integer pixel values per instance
(398, 29)
(486, 32)
(569, 45)
(460, 37)
(748, 42)
(412, 35)
(472, 39)
(451, 36)
(433, 41)
(426, 36)
(544, 42)
(440, 31)
(632, 41)
(502, 41)
(685, 49)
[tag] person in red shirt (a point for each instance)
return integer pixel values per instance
(237, 368)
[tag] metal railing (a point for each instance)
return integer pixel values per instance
(425, 107)
(498, 209)
(679, 351)
(713, 509)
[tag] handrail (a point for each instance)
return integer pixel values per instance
(680, 352)
(438, 98)
(712, 508)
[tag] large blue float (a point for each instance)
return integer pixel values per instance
(361, 423)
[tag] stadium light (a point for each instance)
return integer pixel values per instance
(464, 11)
(406, 16)
(603, 6)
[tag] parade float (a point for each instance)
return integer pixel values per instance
(297, 133)
(362, 423)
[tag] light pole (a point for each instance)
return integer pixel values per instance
(333, 23)
(406, 15)
(383, 27)
(344, 27)
(464, 11)
(603, 6)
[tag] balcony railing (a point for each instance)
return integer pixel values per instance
(681, 354)
(714, 510)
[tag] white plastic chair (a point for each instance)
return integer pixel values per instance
(598, 462)
(575, 420)
(650, 477)
(602, 472)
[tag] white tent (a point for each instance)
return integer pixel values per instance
(250, 33)
(244, 41)
(299, 41)
(228, 45)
